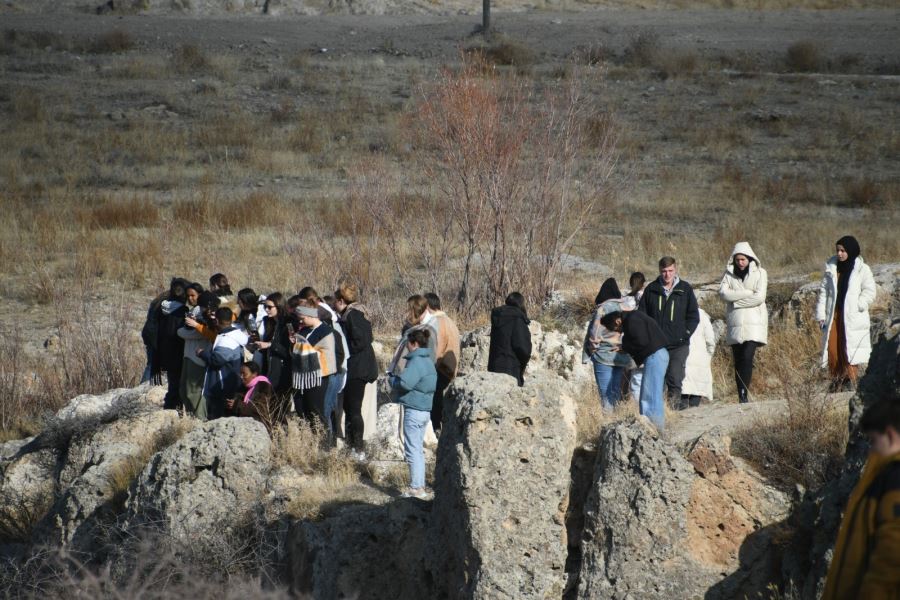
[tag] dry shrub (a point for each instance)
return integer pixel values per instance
(508, 52)
(189, 58)
(28, 106)
(112, 42)
(805, 445)
(803, 56)
(305, 448)
(591, 55)
(120, 213)
(867, 193)
(643, 49)
(39, 40)
(590, 417)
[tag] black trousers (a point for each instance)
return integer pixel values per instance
(173, 392)
(310, 404)
(675, 372)
(743, 364)
(437, 403)
(354, 392)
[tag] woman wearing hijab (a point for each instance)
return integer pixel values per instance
(510, 348)
(743, 289)
(604, 346)
(847, 291)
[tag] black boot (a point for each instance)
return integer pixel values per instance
(743, 395)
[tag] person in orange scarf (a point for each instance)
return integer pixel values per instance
(866, 559)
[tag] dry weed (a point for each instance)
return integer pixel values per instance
(803, 56)
(112, 42)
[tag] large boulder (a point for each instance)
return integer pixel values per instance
(552, 353)
(658, 524)
(501, 489)
(209, 480)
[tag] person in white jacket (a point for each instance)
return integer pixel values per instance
(698, 382)
(847, 291)
(743, 289)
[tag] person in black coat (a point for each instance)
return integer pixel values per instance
(510, 347)
(362, 368)
(160, 335)
(670, 302)
(275, 347)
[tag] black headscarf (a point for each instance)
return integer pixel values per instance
(609, 290)
(844, 268)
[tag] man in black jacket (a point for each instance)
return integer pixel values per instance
(645, 342)
(671, 303)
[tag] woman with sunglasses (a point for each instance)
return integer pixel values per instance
(275, 347)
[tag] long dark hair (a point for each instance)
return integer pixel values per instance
(218, 283)
(517, 300)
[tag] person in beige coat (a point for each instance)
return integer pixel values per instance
(698, 382)
(743, 289)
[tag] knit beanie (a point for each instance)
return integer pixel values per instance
(306, 311)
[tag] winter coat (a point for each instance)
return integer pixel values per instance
(746, 314)
(698, 368)
(418, 381)
(510, 347)
(277, 357)
(641, 336)
(193, 340)
(169, 349)
(223, 364)
(600, 342)
(860, 295)
(448, 345)
(358, 332)
(676, 314)
(866, 559)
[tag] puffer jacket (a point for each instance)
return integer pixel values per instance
(860, 295)
(746, 315)
(698, 367)
(417, 382)
(223, 364)
(866, 559)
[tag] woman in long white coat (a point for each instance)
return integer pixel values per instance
(743, 289)
(847, 291)
(698, 382)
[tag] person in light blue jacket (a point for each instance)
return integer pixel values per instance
(416, 386)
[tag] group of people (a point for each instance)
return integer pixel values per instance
(256, 355)
(659, 336)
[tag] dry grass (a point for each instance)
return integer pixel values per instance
(804, 56)
(591, 419)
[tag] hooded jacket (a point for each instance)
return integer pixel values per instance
(676, 314)
(866, 559)
(418, 381)
(510, 347)
(746, 315)
(860, 295)
(223, 364)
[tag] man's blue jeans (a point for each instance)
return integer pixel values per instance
(414, 424)
(609, 384)
(652, 398)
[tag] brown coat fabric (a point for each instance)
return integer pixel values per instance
(448, 345)
(866, 560)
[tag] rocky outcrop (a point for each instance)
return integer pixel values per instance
(362, 552)
(212, 478)
(501, 487)
(816, 520)
(553, 353)
(658, 524)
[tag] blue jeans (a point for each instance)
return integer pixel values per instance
(637, 376)
(414, 424)
(652, 399)
(331, 395)
(609, 384)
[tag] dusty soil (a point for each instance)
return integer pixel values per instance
(871, 34)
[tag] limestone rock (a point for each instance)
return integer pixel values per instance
(209, 479)
(387, 442)
(501, 487)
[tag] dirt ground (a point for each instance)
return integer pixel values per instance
(872, 34)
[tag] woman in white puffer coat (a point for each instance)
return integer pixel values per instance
(743, 289)
(847, 291)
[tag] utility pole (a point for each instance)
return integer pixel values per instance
(485, 16)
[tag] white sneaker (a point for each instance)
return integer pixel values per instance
(358, 455)
(422, 493)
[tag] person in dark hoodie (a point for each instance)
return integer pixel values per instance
(223, 363)
(645, 341)
(160, 335)
(510, 348)
(670, 301)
